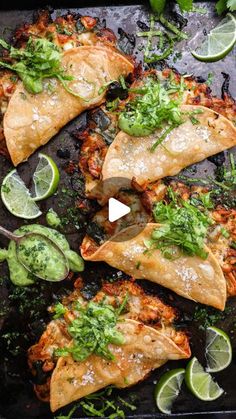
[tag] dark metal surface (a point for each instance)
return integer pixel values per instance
(17, 399)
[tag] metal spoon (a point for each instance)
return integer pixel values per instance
(20, 239)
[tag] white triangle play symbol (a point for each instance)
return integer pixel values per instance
(116, 210)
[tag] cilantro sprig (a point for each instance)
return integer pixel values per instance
(224, 5)
(183, 226)
(39, 60)
(158, 6)
(93, 329)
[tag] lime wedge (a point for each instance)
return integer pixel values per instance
(219, 41)
(16, 197)
(46, 177)
(218, 349)
(201, 383)
(168, 388)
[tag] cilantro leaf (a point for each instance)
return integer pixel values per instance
(59, 310)
(210, 78)
(221, 6)
(231, 4)
(158, 5)
(185, 5)
(69, 416)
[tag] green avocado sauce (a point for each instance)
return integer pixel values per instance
(46, 260)
(52, 218)
(42, 258)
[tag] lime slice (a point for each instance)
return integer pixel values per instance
(168, 388)
(201, 383)
(16, 197)
(219, 41)
(218, 349)
(46, 177)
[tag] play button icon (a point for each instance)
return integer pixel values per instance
(123, 210)
(117, 210)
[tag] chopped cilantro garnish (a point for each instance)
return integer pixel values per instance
(40, 59)
(69, 416)
(209, 316)
(63, 30)
(105, 86)
(122, 82)
(127, 404)
(206, 200)
(209, 79)
(153, 107)
(93, 330)
(225, 233)
(112, 105)
(100, 404)
(162, 137)
(59, 310)
(182, 226)
(168, 25)
(202, 200)
(165, 44)
(194, 120)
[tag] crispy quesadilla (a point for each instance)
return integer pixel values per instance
(143, 339)
(129, 157)
(31, 120)
(127, 244)
(191, 277)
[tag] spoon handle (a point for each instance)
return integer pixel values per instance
(8, 234)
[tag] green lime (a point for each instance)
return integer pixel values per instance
(219, 41)
(16, 197)
(46, 177)
(168, 388)
(201, 383)
(218, 349)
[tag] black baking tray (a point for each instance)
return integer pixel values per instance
(25, 312)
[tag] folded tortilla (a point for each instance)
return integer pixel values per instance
(189, 276)
(145, 349)
(129, 157)
(32, 120)
(150, 340)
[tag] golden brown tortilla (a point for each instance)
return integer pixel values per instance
(130, 157)
(32, 120)
(145, 349)
(191, 277)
